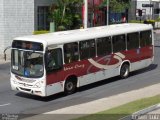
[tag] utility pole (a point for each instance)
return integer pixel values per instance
(85, 21)
(150, 10)
(107, 12)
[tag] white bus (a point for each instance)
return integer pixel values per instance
(47, 64)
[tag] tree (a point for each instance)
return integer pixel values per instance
(117, 5)
(64, 14)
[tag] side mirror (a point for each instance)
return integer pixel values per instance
(5, 57)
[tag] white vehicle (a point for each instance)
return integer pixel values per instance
(47, 64)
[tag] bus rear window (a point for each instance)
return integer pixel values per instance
(27, 45)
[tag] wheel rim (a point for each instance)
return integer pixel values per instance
(69, 86)
(124, 71)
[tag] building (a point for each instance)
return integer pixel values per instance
(21, 17)
(150, 9)
(97, 14)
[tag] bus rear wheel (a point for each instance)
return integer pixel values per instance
(70, 87)
(124, 71)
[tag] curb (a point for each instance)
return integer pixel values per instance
(135, 115)
(156, 31)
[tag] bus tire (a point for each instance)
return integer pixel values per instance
(124, 71)
(70, 87)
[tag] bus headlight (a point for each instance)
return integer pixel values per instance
(37, 85)
(14, 82)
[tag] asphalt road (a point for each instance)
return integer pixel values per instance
(20, 103)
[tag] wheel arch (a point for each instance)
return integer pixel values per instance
(71, 77)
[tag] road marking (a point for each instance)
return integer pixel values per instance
(5, 104)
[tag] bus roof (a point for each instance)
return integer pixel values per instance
(85, 34)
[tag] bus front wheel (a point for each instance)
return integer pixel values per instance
(124, 71)
(70, 87)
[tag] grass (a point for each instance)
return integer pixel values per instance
(40, 32)
(123, 110)
(135, 21)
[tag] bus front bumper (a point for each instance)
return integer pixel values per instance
(21, 87)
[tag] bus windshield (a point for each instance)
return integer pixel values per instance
(27, 63)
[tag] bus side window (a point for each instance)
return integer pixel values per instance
(54, 59)
(104, 46)
(50, 59)
(119, 43)
(87, 49)
(145, 38)
(71, 53)
(132, 40)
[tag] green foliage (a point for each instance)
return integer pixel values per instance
(64, 14)
(123, 110)
(117, 5)
(158, 19)
(135, 21)
(151, 21)
(145, 21)
(40, 32)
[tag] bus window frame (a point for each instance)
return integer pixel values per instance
(46, 57)
(81, 49)
(72, 52)
(127, 35)
(125, 40)
(24, 50)
(142, 44)
(106, 40)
